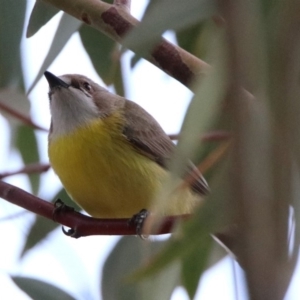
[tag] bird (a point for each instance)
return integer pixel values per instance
(110, 154)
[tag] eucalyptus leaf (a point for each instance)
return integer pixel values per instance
(26, 143)
(197, 39)
(100, 50)
(128, 255)
(194, 233)
(268, 6)
(193, 265)
(65, 198)
(119, 80)
(193, 242)
(67, 26)
(41, 14)
(12, 16)
(204, 252)
(42, 227)
(37, 289)
(188, 37)
(134, 60)
(203, 109)
(18, 102)
(164, 15)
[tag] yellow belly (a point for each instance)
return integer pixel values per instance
(103, 173)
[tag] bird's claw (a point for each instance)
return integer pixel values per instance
(138, 220)
(71, 232)
(60, 206)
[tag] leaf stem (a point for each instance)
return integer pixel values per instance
(28, 169)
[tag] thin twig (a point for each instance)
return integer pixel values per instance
(28, 169)
(24, 119)
(211, 160)
(214, 157)
(81, 224)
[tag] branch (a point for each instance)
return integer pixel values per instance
(125, 4)
(210, 161)
(23, 118)
(28, 169)
(115, 22)
(81, 224)
(214, 136)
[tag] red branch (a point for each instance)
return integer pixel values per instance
(24, 119)
(28, 169)
(83, 225)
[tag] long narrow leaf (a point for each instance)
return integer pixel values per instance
(38, 289)
(168, 14)
(67, 26)
(41, 14)
(12, 15)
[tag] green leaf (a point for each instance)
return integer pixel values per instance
(129, 253)
(196, 39)
(192, 243)
(203, 109)
(194, 233)
(39, 231)
(187, 38)
(134, 60)
(194, 264)
(164, 15)
(12, 15)
(26, 143)
(41, 14)
(37, 289)
(119, 80)
(42, 227)
(65, 198)
(268, 6)
(18, 102)
(67, 26)
(100, 50)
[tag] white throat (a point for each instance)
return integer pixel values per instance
(70, 109)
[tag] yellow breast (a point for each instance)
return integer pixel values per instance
(102, 172)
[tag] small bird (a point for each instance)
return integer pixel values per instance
(109, 153)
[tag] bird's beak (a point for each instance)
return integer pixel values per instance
(55, 81)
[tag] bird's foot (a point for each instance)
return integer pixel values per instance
(60, 206)
(138, 220)
(71, 232)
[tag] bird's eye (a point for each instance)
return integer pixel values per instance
(87, 86)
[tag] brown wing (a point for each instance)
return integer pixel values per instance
(147, 136)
